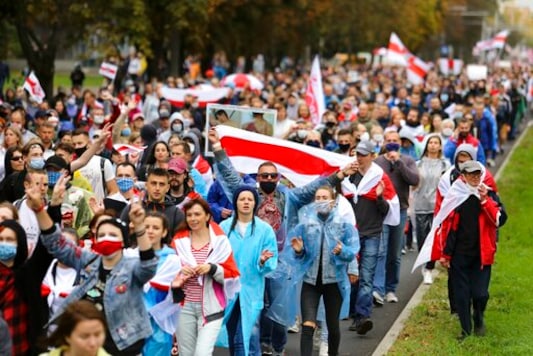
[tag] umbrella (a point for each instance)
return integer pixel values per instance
(241, 80)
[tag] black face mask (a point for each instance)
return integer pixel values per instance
(80, 151)
(268, 187)
(344, 147)
(313, 143)
(330, 125)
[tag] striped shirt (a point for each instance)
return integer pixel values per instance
(192, 289)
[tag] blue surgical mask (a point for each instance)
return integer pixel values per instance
(125, 132)
(37, 163)
(125, 184)
(392, 146)
(53, 177)
(8, 251)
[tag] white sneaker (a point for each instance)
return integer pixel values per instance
(323, 349)
(391, 297)
(428, 277)
(378, 299)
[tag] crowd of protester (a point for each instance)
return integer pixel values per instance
(136, 233)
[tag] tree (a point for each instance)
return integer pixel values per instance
(43, 27)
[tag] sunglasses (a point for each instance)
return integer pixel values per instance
(268, 175)
(16, 158)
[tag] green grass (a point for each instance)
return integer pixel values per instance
(431, 330)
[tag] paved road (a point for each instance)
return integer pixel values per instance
(383, 317)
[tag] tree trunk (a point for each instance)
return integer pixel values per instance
(175, 58)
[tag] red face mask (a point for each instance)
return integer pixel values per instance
(107, 245)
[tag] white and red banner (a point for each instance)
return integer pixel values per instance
(33, 86)
(125, 149)
(496, 42)
(417, 70)
(299, 163)
(450, 66)
(177, 96)
(314, 96)
(397, 52)
(241, 81)
(108, 70)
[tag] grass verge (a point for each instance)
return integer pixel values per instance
(431, 330)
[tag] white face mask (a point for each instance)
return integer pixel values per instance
(447, 132)
(377, 137)
(324, 206)
(364, 136)
(98, 119)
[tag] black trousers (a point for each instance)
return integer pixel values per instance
(470, 285)
(310, 298)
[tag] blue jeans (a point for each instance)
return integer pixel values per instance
(235, 336)
(272, 333)
(387, 274)
(367, 268)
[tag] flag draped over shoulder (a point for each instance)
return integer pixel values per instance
(299, 163)
(314, 96)
(455, 196)
(33, 86)
(367, 189)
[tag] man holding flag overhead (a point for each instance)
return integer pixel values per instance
(278, 205)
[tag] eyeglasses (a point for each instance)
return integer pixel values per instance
(16, 158)
(268, 175)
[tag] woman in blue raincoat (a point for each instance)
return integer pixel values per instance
(323, 246)
(255, 248)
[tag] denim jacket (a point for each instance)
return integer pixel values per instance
(126, 316)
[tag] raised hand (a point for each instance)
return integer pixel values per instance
(137, 214)
(60, 189)
(35, 198)
(213, 136)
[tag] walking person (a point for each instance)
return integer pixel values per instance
(207, 279)
(253, 242)
(324, 245)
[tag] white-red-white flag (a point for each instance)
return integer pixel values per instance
(33, 86)
(125, 149)
(299, 163)
(205, 96)
(417, 70)
(108, 70)
(450, 66)
(498, 41)
(397, 53)
(314, 96)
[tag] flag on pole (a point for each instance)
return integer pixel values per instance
(498, 41)
(108, 70)
(314, 96)
(450, 66)
(299, 163)
(33, 86)
(397, 52)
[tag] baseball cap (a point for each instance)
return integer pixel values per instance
(177, 165)
(470, 166)
(56, 162)
(163, 112)
(365, 147)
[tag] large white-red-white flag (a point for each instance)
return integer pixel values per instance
(450, 66)
(314, 96)
(397, 53)
(108, 70)
(34, 88)
(299, 163)
(205, 96)
(496, 42)
(417, 70)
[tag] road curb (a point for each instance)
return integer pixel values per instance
(390, 338)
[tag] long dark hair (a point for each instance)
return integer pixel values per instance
(7, 159)
(238, 191)
(151, 154)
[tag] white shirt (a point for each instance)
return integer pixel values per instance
(282, 127)
(92, 172)
(28, 221)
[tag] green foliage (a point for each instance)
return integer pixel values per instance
(431, 330)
